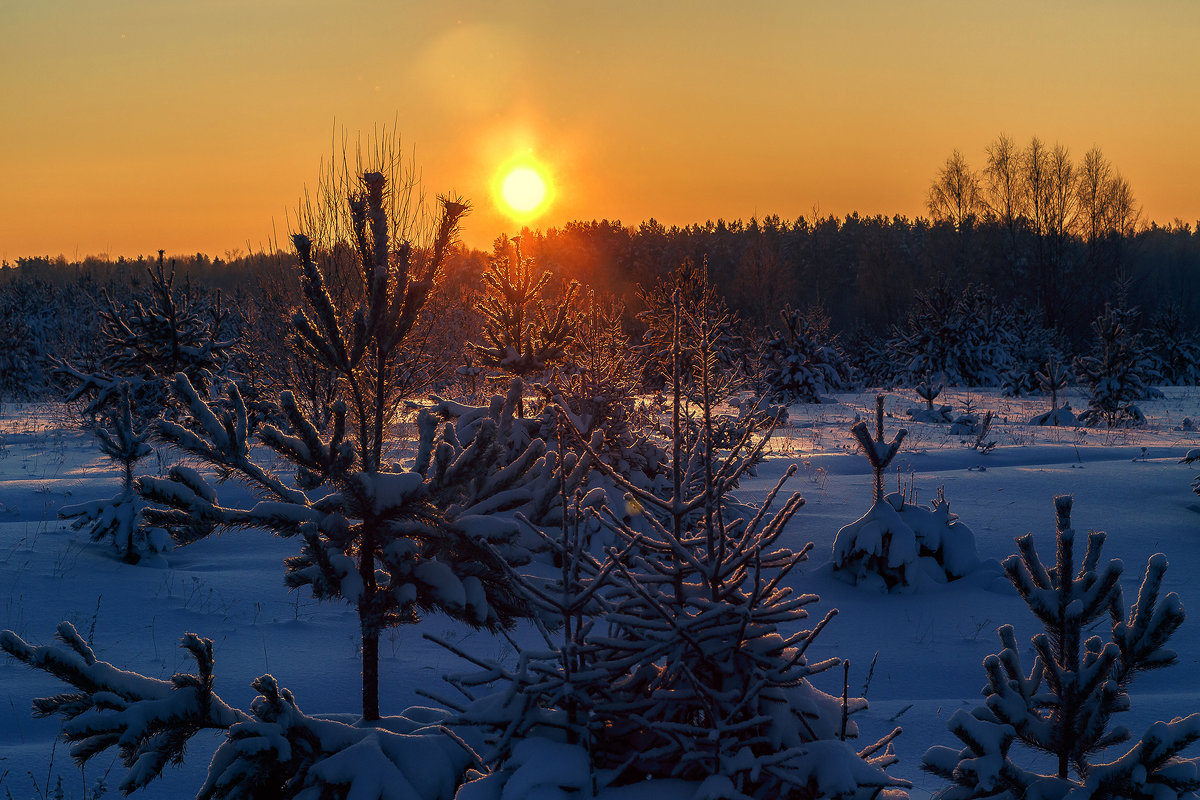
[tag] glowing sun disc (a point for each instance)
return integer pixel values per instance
(523, 189)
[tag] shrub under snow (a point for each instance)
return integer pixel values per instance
(895, 543)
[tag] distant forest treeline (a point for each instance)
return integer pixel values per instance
(864, 271)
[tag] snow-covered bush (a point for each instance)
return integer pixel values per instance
(805, 359)
(677, 665)
(1063, 707)
(895, 542)
(273, 750)
(928, 392)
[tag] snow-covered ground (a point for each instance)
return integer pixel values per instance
(926, 647)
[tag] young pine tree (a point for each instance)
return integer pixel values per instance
(521, 338)
(1053, 378)
(805, 359)
(1113, 371)
(1064, 705)
(377, 538)
(147, 340)
(119, 518)
(677, 658)
(895, 541)
(687, 290)
(596, 390)
(1173, 350)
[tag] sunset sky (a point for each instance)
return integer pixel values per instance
(134, 125)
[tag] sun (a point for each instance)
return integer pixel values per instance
(523, 190)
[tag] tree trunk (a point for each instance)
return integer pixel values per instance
(370, 664)
(369, 623)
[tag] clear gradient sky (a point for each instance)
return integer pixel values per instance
(133, 125)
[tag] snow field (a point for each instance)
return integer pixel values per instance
(930, 644)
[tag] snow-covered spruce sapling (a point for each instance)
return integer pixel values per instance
(520, 338)
(894, 541)
(675, 662)
(1032, 346)
(274, 750)
(967, 337)
(879, 452)
(1053, 379)
(687, 285)
(1113, 372)
(596, 388)
(1063, 706)
(1172, 349)
(146, 341)
(805, 359)
(928, 392)
(32, 325)
(119, 518)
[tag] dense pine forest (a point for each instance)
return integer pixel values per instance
(875, 281)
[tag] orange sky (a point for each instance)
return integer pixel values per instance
(133, 125)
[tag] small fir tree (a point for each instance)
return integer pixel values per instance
(31, 322)
(521, 339)
(1064, 705)
(871, 358)
(119, 518)
(674, 660)
(1113, 372)
(699, 300)
(805, 359)
(381, 539)
(1032, 346)
(146, 341)
(1172, 349)
(887, 546)
(596, 391)
(966, 336)
(928, 391)
(1053, 379)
